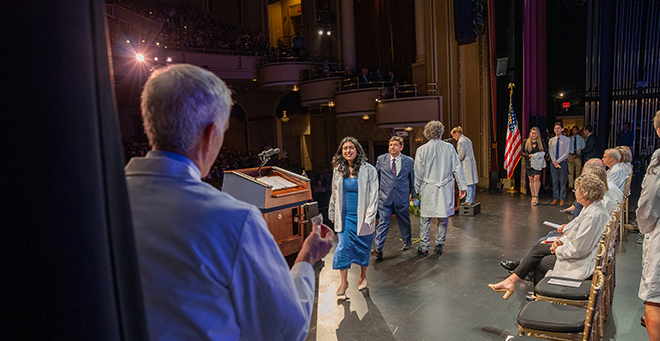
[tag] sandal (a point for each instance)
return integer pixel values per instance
(535, 200)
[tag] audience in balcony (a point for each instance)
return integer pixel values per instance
(186, 27)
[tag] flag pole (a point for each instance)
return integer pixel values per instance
(511, 87)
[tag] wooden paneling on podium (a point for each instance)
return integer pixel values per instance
(283, 197)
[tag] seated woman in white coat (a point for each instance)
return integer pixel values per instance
(353, 207)
(466, 156)
(573, 255)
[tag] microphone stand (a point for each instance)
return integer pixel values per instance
(264, 159)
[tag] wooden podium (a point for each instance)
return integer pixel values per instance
(283, 197)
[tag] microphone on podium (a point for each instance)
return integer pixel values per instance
(270, 152)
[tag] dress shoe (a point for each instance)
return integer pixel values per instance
(530, 296)
(379, 254)
(422, 252)
(507, 292)
(554, 202)
(509, 264)
(362, 285)
(341, 291)
(405, 247)
(562, 203)
(438, 250)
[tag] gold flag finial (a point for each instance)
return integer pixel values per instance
(512, 86)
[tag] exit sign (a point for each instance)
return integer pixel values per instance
(566, 105)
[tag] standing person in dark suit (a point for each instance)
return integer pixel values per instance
(397, 182)
(589, 151)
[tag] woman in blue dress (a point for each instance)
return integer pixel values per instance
(353, 207)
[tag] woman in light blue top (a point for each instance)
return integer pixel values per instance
(353, 207)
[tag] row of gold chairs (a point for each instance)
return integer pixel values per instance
(567, 313)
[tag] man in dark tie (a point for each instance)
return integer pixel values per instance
(575, 156)
(397, 182)
(589, 151)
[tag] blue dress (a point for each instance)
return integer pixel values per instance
(351, 248)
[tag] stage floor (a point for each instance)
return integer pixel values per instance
(446, 297)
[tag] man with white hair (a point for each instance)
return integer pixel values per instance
(616, 172)
(436, 166)
(209, 266)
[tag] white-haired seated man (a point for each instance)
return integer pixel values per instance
(209, 266)
(616, 172)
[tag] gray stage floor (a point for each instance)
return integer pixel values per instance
(446, 297)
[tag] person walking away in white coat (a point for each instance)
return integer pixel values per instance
(466, 156)
(648, 219)
(436, 166)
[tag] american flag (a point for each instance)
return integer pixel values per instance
(513, 142)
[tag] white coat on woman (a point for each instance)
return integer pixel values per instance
(648, 219)
(466, 155)
(576, 258)
(436, 165)
(367, 200)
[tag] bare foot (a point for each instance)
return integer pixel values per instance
(342, 289)
(503, 285)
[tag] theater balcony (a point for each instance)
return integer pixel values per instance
(408, 106)
(319, 91)
(282, 76)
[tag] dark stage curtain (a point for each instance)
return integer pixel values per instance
(67, 255)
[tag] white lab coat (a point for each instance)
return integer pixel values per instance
(367, 200)
(435, 163)
(618, 175)
(210, 268)
(648, 218)
(576, 258)
(612, 197)
(466, 155)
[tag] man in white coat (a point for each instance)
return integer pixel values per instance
(648, 219)
(210, 268)
(466, 155)
(435, 163)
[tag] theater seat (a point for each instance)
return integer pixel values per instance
(546, 316)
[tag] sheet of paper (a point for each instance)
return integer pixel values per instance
(277, 182)
(547, 223)
(551, 239)
(565, 283)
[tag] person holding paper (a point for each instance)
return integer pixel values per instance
(534, 149)
(648, 220)
(353, 207)
(209, 267)
(572, 256)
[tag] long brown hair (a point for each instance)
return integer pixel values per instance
(528, 143)
(341, 164)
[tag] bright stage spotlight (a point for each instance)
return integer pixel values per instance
(169, 59)
(139, 57)
(156, 59)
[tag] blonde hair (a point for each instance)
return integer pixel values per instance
(528, 143)
(597, 170)
(656, 120)
(626, 154)
(593, 189)
(457, 130)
